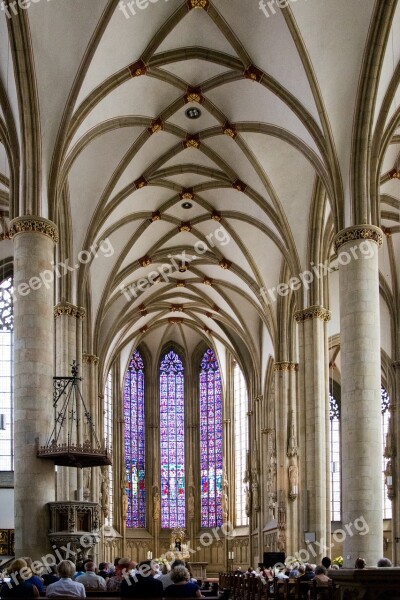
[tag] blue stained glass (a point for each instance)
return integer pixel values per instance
(172, 449)
(210, 441)
(134, 442)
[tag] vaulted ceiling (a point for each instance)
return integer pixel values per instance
(241, 190)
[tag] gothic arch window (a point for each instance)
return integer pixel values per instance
(241, 442)
(134, 442)
(108, 432)
(172, 441)
(334, 426)
(6, 376)
(211, 462)
(385, 411)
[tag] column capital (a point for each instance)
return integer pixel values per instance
(66, 308)
(396, 364)
(90, 359)
(286, 366)
(33, 224)
(359, 232)
(312, 312)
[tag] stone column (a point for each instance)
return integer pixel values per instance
(34, 487)
(357, 249)
(287, 456)
(396, 463)
(313, 419)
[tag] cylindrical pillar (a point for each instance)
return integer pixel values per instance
(357, 249)
(314, 414)
(34, 486)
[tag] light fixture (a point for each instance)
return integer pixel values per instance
(193, 112)
(186, 205)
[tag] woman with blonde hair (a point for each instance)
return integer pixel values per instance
(18, 587)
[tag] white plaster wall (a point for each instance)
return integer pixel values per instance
(7, 508)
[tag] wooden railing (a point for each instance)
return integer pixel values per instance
(250, 587)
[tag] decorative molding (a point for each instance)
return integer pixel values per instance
(176, 308)
(225, 264)
(191, 141)
(194, 95)
(313, 312)
(155, 216)
(216, 216)
(140, 183)
(66, 308)
(138, 68)
(253, 73)
(239, 185)
(360, 232)
(144, 261)
(230, 130)
(185, 226)
(186, 194)
(204, 4)
(156, 126)
(286, 366)
(32, 224)
(90, 359)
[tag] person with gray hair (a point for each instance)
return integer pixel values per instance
(90, 580)
(384, 563)
(65, 587)
(181, 586)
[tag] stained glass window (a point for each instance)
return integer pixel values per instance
(210, 441)
(108, 432)
(6, 376)
(134, 442)
(385, 411)
(172, 441)
(241, 407)
(334, 422)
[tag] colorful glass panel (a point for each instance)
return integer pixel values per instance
(211, 449)
(134, 442)
(172, 441)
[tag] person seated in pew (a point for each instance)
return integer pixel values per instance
(66, 587)
(18, 586)
(181, 586)
(90, 580)
(122, 571)
(142, 584)
(51, 576)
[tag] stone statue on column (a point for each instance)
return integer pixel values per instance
(246, 481)
(225, 498)
(156, 503)
(87, 476)
(293, 472)
(105, 491)
(191, 505)
(255, 486)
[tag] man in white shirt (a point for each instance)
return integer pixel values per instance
(90, 580)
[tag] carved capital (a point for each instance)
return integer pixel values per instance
(360, 232)
(66, 308)
(286, 366)
(313, 312)
(31, 224)
(396, 364)
(90, 359)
